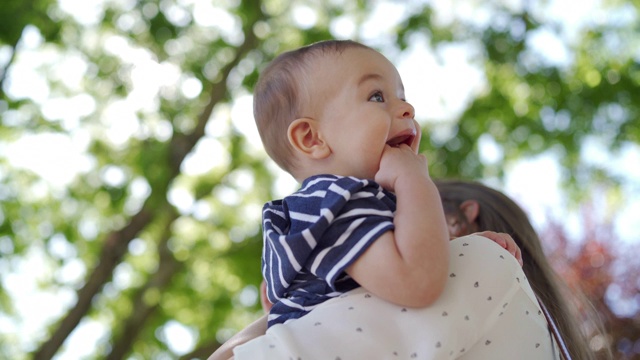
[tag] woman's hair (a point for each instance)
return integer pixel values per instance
(281, 94)
(499, 213)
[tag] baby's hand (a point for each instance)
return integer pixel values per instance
(504, 240)
(400, 161)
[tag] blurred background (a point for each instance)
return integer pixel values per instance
(132, 177)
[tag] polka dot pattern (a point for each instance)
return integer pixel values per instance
(487, 311)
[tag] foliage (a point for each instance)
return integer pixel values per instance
(601, 277)
(155, 224)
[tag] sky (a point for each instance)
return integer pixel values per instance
(453, 83)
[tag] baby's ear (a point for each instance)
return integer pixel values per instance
(305, 137)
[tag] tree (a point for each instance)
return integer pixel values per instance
(593, 267)
(155, 225)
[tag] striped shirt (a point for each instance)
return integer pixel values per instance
(313, 235)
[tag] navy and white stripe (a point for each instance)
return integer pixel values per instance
(313, 235)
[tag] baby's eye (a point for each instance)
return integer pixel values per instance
(377, 97)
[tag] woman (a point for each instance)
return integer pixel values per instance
(472, 207)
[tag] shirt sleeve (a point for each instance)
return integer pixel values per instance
(332, 222)
(359, 221)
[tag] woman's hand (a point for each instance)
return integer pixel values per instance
(504, 240)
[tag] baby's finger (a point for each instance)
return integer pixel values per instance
(415, 145)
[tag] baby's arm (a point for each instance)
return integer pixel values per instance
(407, 266)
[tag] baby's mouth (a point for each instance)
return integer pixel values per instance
(401, 139)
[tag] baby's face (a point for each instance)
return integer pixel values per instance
(359, 98)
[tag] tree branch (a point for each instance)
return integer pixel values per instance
(202, 352)
(114, 248)
(183, 144)
(3, 75)
(168, 266)
(117, 242)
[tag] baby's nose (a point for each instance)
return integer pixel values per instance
(406, 110)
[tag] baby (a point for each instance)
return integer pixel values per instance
(360, 255)
(334, 115)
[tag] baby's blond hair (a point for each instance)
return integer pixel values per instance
(281, 95)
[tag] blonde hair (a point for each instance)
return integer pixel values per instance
(279, 96)
(501, 214)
